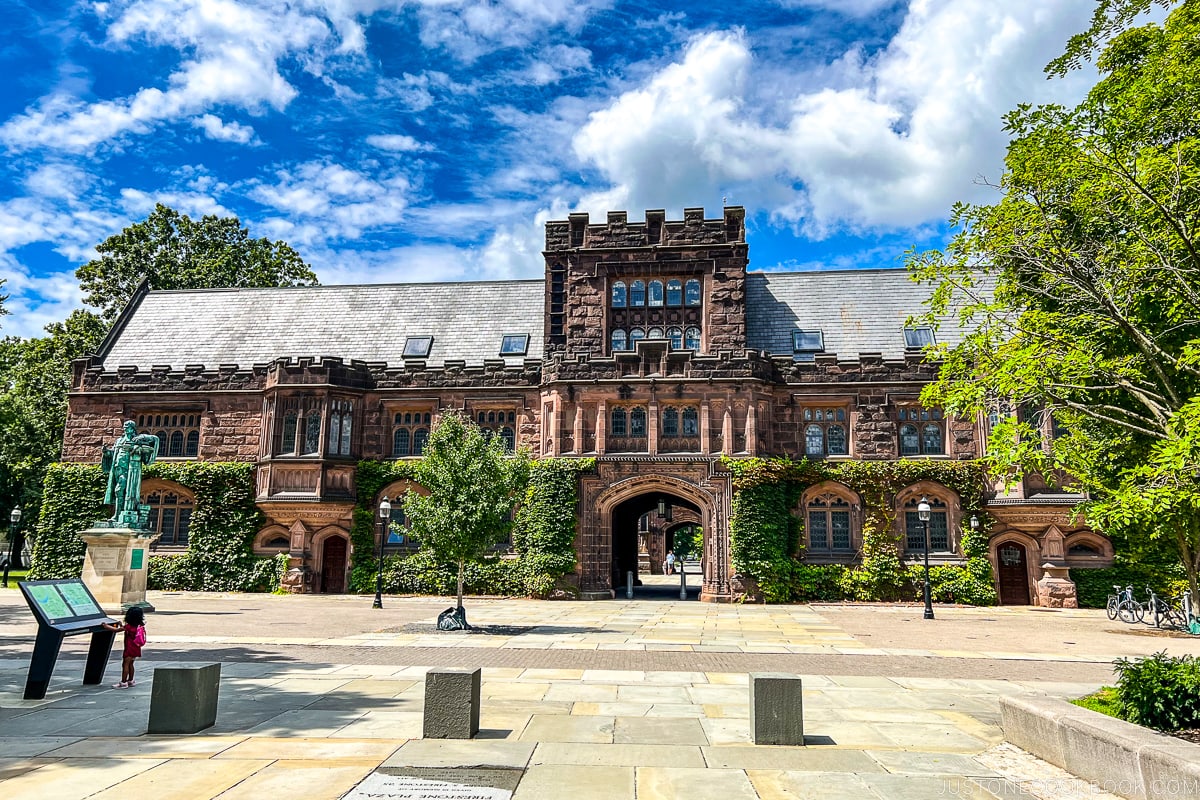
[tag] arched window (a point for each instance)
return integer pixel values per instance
(910, 442)
(277, 543)
(635, 336)
(1083, 550)
(829, 525)
(618, 294)
(837, 440)
(931, 439)
(618, 340)
(170, 515)
(191, 448)
(691, 424)
(814, 441)
(691, 293)
(670, 422)
(401, 442)
(654, 333)
(618, 422)
(914, 528)
(482, 418)
(691, 339)
(637, 422)
(178, 434)
(176, 448)
(491, 416)
(162, 442)
(510, 439)
(674, 293)
(676, 337)
(420, 438)
(637, 294)
(656, 293)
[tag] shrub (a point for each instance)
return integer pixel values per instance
(1095, 585)
(1160, 691)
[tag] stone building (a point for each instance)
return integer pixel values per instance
(648, 345)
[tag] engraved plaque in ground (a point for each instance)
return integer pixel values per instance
(437, 784)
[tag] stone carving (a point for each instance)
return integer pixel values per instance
(123, 463)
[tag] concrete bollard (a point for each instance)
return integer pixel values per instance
(776, 708)
(451, 703)
(184, 699)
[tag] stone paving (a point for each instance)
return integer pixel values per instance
(318, 726)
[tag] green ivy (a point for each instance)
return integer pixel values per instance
(765, 532)
(224, 522)
(543, 538)
(1093, 586)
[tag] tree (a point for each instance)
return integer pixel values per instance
(172, 251)
(473, 485)
(35, 375)
(1082, 285)
(3, 297)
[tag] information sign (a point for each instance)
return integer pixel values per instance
(64, 608)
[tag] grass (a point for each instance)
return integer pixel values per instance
(1104, 701)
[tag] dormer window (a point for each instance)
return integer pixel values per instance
(806, 344)
(514, 344)
(417, 346)
(918, 337)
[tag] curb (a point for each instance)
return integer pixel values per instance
(1118, 756)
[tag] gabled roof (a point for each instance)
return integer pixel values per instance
(858, 311)
(370, 323)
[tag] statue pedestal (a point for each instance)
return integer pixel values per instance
(115, 567)
(1056, 589)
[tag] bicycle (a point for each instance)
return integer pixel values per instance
(1165, 614)
(1114, 600)
(1129, 610)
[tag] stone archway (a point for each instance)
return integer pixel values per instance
(1008, 581)
(607, 495)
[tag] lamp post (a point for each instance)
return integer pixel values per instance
(923, 513)
(385, 518)
(13, 519)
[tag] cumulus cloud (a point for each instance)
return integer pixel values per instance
(901, 137)
(218, 130)
(397, 143)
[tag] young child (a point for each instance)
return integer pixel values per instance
(135, 637)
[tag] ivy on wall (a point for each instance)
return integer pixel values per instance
(766, 529)
(543, 538)
(220, 536)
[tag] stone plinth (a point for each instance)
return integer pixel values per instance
(1055, 589)
(184, 699)
(115, 567)
(776, 708)
(452, 703)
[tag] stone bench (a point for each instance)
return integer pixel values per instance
(1118, 756)
(776, 708)
(451, 703)
(184, 699)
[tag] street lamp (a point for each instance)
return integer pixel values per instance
(974, 524)
(923, 513)
(385, 518)
(13, 519)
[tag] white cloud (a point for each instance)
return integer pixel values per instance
(893, 143)
(215, 128)
(325, 201)
(397, 143)
(470, 29)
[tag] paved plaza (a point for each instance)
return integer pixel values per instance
(623, 699)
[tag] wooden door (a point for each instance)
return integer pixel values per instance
(333, 566)
(1014, 574)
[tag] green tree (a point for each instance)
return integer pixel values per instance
(473, 485)
(172, 251)
(1082, 285)
(35, 375)
(3, 297)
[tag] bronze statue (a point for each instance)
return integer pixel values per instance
(123, 464)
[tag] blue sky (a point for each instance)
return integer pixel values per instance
(396, 140)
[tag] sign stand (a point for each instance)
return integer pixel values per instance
(64, 608)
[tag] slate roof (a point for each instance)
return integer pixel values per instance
(858, 311)
(255, 326)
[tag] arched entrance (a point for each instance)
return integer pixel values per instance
(333, 565)
(629, 518)
(1013, 573)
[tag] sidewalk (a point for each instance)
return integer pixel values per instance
(297, 716)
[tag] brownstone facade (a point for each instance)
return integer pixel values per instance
(646, 365)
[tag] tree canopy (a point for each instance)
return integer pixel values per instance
(1082, 284)
(172, 251)
(473, 486)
